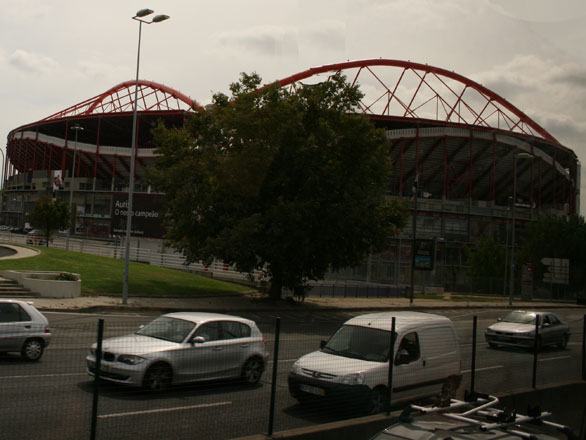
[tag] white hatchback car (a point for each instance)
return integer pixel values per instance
(23, 329)
(184, 347)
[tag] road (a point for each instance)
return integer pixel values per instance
(52, 399)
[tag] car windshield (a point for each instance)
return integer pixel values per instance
(167, 329)
(360, 343)
(520, 318)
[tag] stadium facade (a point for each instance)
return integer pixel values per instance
(470, 162)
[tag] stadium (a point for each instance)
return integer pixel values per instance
(469, 162)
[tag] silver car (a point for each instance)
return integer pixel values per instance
(23, 329)
(517, 329)
(183, 347)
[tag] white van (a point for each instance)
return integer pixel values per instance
(353, 366)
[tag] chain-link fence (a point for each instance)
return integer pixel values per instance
(56, 398)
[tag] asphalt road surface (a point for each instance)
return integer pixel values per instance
(53, 399)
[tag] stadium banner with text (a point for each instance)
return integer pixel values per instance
(147, 218)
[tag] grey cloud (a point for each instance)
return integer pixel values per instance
(31, 63)
(329, 35)
(264, 40)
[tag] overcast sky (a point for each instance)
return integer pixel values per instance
(54, 54)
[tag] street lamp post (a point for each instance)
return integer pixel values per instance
(414, 237)
(76, 127)
(156, 19)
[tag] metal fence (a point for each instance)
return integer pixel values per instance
(55, 398)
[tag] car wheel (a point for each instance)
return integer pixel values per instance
(564, 342)
(32, 350)
(158, 377)
(252, 371)
(379, 401)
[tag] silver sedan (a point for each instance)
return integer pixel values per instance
(518, 329)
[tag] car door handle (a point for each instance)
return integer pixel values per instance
(27, 326)
(217, 348)
(244, 345)
(424, 363)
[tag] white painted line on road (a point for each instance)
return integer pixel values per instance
(163, 410)
(33, 376)
(496, 367)
(554, 359)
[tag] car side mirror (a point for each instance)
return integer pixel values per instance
(499, 319)
(198, 340)
(322, 343)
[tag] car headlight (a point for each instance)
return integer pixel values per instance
(353, 379)
(130, 359)
(296, 368)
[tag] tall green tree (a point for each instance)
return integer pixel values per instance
(291, 182)
(486, 263)
(557, 237)
(49, 216)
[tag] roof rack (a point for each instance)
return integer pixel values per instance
(479, 410)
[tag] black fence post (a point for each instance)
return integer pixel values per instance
(584, 349)
(536, 347)
(473, 367)
(274, 379)
(391, 362)
(98, 367)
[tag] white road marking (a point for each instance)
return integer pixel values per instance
(42, 375)
(163, 410)
(496, 367)
(554, 359)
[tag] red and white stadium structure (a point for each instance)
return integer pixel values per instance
(472, 150)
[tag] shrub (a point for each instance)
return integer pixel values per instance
(66, 276)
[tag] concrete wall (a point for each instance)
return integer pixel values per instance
(566, 401)
(44, 283)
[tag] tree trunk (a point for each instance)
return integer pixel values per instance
(276, 287)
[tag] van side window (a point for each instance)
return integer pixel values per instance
(408, 350)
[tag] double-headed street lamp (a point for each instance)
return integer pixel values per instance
(156, 19)
(76, 127)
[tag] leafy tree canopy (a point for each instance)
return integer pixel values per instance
(49, 216)
(291, 182)
(557, 237)
(486, 258)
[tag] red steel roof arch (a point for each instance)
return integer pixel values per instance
(494, 105)
(152, 96)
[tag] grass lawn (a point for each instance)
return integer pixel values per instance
(104, 276)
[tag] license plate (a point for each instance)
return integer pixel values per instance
(103, 368)
(312, 390)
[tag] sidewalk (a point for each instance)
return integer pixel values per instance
(253, 302)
